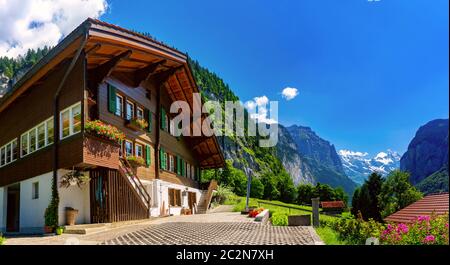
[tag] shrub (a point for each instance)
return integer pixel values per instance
(222, 194)
(2, 239)
(279, 219)
(355, 231)
(426, 230)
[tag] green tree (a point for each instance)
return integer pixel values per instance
(324, 192)
(355, 202)
(257, 188)
(286, 187)
(397, 193)
(305, 193)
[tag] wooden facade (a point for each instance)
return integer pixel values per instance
(143, 71)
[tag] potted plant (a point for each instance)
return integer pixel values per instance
(74, 177)
(49, 219)
(59, 230)
(136, 161)
(71, 215)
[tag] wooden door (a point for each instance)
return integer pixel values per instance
(192, 198)
(13, 209)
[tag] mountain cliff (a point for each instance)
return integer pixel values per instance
(427, 153)
(311, 159)
(358, 165)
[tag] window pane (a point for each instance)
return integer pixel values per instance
(8, 153)
(65, 123)
(50, 135)
(24, 144)
(32, 140)
(119, 104)
(130, 111)
(128, 148)
(35, 191)
(15, 150)
(140, 113)
(139, 150)
(3, 156)
(41, 136)
(76, 118)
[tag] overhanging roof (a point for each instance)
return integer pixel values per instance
(107, 41)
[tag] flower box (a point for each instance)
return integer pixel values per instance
(136, 124)
(105, 131)
(136, 161)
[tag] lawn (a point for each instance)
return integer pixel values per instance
(328, 235)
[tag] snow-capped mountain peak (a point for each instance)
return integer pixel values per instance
(358, 165)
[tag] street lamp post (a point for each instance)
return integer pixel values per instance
(249, 183)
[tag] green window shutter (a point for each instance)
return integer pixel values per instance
(163, 118)
(161, 155)
(178, 165)
(149, 120)
(183, 168)
(111, 99)
(148, 157)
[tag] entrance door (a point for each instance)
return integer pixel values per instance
(192, 198)
(13, 209)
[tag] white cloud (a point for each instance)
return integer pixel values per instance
(258, 109)
(289, 93)
(35, 23)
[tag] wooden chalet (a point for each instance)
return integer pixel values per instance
(106, 73)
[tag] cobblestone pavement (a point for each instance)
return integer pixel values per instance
(214, 228)
(219, 233)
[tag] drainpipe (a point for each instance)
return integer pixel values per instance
(56, 115)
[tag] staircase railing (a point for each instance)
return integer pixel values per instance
(125, 169)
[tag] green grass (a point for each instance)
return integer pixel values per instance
(329, 236)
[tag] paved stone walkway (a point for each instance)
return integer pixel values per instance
(224, 228)
(219, 233)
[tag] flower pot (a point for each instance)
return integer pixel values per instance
(48, 229)
(71, 216)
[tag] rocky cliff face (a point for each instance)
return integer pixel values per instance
(311, 159)
(427, 152)
(312, 146)
(292, 161)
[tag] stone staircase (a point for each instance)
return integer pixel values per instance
(205, 198)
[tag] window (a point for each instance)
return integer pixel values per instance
(192, 172)
(188, 170)
(128, 148)
(70, 121)
(172, 163)
(174, 197)
(37, 138)
(9, 153)
(41, 136)
(130, 110)
(119, 105)
(139, 150)
(166, 123)
(139, 113)
(35, 191)
(172, 127)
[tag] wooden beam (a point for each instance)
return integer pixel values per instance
(102, 71)
(144, 73)
(95, 48)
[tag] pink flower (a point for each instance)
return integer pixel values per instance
(422, 218)
(429, 239)
(402, 228)
(446, 225)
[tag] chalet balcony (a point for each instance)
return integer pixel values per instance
(98, 151)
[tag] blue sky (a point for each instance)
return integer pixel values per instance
(368, 73)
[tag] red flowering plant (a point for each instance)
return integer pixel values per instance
(425, 230)
(105, 131)
(253, 213)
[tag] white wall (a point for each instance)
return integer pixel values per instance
(160, 197)
(32, 210)
(76, 198)
(2, 209)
